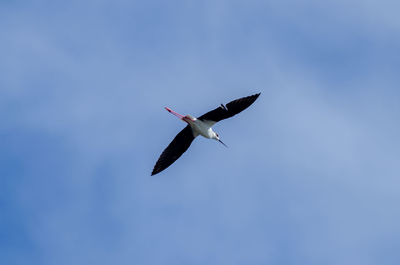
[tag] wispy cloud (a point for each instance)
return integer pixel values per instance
(310, 175)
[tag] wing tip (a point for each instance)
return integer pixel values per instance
(255, 96)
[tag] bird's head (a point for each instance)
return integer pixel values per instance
(216, 137)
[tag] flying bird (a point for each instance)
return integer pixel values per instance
(199, 126)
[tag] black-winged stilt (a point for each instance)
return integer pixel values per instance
(200, 126)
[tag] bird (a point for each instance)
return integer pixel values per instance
(199, 126)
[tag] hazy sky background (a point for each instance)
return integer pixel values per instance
(312, 172)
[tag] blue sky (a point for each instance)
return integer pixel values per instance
(311, 175)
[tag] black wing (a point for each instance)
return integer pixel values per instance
(174, 150)
(231, 109)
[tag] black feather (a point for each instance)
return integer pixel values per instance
(174, 150)
(232, 108)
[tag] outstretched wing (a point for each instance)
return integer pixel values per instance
(174, 150)
(231, 109)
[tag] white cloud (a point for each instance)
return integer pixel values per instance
(311, 177)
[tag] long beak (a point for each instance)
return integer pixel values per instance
(222, 143)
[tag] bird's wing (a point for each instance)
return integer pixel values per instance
(231, 109)
(174, 150)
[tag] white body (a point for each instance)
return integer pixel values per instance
(200, 127)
